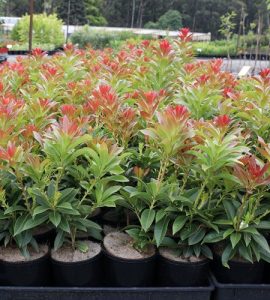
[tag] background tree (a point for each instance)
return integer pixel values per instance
(199, 15)
(227, 27)
(18, 8)
(93, 12)
(77, 12)
(2, 7)
(118, 12)
(171, 20)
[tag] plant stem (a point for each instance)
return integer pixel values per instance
(185, 179)
(87, 192)
(22, 187)
(73, 237)
(240, 211)
(196, 203)
(162, 170)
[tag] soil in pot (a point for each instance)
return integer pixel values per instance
(126, 266)
(175, 270)
(17, 270)
(108, 229)
(240, 272)
(75, 268)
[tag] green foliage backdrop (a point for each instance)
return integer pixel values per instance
(47, 30)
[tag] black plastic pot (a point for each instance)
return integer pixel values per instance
(27, 273)
(129, 272)
(240, 291)
(201, 293)
(173, 273)
(267, 273)
(240, 272)
(77, 274)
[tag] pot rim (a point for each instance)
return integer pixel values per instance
(128, 260)
(194, 263)
(37, 260)
(73, 263)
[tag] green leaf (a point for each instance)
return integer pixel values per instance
(230, 209)
(118, 178)
(59, 240)
(235, 238)
(168, 242)
(51, 189)
(206, 251)
(90, 224)
(39, 210)
(160, 230)
(110, 191)
(110, 202)
(196, 237)
(67, 195)
(224, 222)
(64, 225)
(256, 250)
(66, 208)
(228, 232)
(13, 208)
(160, 215)
(263, 225)
(116, 170)
(213, 237)
(187, 232)
(226, 255)
(147, 219)
(34, 222)
(260, 240)
(247, 239)
(245, 252)
(265, 256)
(34, 244)
(19, 224)
(65, 205)
(251, 230)
(82, 246)
(133, 232)
(55, 218)
(179, 223)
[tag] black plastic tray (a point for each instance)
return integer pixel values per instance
(240, 291)
(54, 293)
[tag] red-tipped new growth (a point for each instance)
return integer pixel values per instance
(222, 121)
(251, 174)
(185, 35)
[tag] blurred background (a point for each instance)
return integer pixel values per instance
(231, 29)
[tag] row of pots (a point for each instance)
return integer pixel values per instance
(105, 269)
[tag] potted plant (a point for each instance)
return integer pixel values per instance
(166, 137)
(83, 178)
(131, 256)
(242, 225)
(19, 250)
(203, 168)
